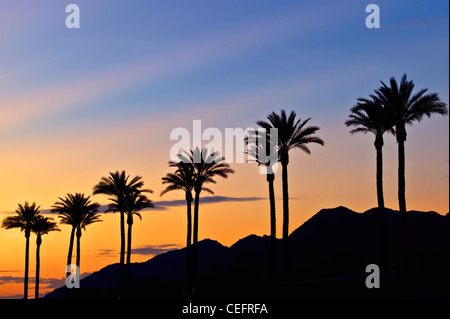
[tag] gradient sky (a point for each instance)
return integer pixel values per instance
(78, 103)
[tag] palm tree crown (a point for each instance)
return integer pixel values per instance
(407, 107)
(43, 225)
(24, 218)
(183, 179)
(116, 186)
(292, 133)
(76, 210)
(206, 166)
(370, 116)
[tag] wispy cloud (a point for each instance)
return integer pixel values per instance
(155, 249)
(415, 23)
(146, 250)
(43, 282)
(163, 205)
(207, 50)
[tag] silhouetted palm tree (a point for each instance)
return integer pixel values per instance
(264, 145)
(292, 134)
(116, 186)
(23, 220)
(183, 179)
(135, 202)
(88, 218)
(370, 116)
(206, 166)
(77, 211)
(406, 109)
(41, 226)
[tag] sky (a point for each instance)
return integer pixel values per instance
(76, 104)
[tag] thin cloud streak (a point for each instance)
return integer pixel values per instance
(164, 205)
(36, 104)
(147, 250)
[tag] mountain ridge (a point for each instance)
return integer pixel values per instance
(334, 241)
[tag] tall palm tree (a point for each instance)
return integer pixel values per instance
(24, 218)
(41, 226)
(255, 151)
(135, 202)
(183, 179)
(206, 167)
(292, 134)
(371, 116)
(77, 211)
(116, 186)
(407, 108)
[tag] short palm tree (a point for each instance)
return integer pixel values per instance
(206, 167)
(24, 218)
(116, 186)
(262, 143)
(183, 179)
(88, 218)
(406, 109)
(371, 116)
(135, 202)
(292, 133)
(77, 211)
(41, 226)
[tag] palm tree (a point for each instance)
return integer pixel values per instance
(371, 116)
(292, 134)
(24, 218)
(183, 179)
(135, 202)
(78, 212)
(41, 226)
(406, 109)
(116, 186)
(87, 218)
(255, 151)
(206, 166)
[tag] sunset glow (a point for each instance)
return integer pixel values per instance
(76, 104)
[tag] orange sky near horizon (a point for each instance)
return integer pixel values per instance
(325, 179)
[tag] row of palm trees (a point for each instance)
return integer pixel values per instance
(77, 211)
(29, 220)
(388, 110)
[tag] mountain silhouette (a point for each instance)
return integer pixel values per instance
(328, 257)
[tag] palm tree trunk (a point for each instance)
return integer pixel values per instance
(285, 219)
(27, 258)
(78, 247)
(69, 256)
(380, 197)
(122, 253)
(195, 236)
(38, 266)
(402, 204)
(188, 244)
(130, 226)
(270, 178)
